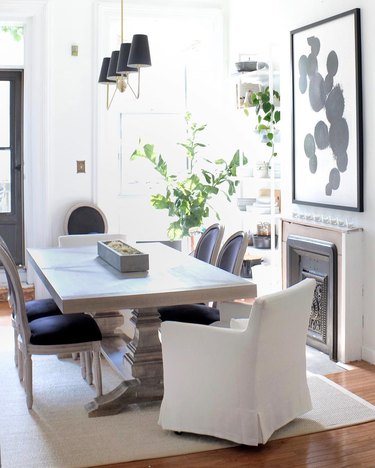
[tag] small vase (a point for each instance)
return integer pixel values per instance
(261, 169)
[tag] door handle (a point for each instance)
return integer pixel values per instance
(18, 167)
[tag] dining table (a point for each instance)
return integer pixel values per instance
(79, 280)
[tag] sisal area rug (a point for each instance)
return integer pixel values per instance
(57, 432)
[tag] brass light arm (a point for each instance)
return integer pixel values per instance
(136, 94)
(109, 100)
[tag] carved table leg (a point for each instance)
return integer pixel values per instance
(144, 351)
(142, 362)
(109, 321)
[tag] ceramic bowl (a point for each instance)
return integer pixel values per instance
(250, 66)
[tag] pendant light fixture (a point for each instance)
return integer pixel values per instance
(130, 58)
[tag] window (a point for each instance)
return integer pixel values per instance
(185, 75)
(11, 55)
(11, 45)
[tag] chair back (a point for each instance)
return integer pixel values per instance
(4, 245)
(10, 289)
(208, 245)
(85, 218)
(278, 324)
(232, 253)
(81, 240)
(15, 288)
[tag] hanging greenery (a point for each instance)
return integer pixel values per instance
(268, 116)
(15, 31)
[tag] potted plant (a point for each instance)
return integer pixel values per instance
(188, 199)
(267, 119)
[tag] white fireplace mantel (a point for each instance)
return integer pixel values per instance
(349, 243)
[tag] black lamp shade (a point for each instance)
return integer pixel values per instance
(122, 64)
(104, 71)
(112, 68)
(139, 55)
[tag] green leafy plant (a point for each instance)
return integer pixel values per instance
(15, 31)
(188, 200)
(268, 116)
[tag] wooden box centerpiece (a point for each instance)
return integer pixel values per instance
(122, 256)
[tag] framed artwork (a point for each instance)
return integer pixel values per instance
(327, 113)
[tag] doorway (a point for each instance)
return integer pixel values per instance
(11, 162)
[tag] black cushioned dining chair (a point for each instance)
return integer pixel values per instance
(56, 334)
(35, 309)
(230, 259)
(208, 246)
(84, 240)
(85, 218)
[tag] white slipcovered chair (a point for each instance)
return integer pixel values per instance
(242, 383)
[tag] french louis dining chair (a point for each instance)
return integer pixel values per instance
(55, 334)
(208, 245)
(230, 259)
(84, 240)
(85, 218)
(35, 309)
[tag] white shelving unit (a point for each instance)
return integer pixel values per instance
(248, 82)
(268, 275)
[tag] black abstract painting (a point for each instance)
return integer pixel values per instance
(327, 113)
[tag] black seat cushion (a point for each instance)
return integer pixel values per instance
(64, 329)
(41, 308)
(190, 313)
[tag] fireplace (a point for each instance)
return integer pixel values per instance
(317, 259)
(346, 244)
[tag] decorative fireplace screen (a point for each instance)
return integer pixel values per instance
(312, 258)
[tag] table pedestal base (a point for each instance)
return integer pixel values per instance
(138, 362)
(127, 393)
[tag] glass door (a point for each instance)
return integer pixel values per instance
(11, 187)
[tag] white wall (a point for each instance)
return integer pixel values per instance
(71, 106)
(268, 31)
(68, 104)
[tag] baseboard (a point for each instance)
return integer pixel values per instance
(28, 288)
(28, 293)
(368, 355)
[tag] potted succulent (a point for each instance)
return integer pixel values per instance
(188, 199)
(268, 116)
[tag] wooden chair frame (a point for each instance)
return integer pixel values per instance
(26, 349)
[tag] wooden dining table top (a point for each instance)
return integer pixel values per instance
(81, 281)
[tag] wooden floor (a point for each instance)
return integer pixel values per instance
(352, 446)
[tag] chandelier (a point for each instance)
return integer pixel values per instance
(131, 57)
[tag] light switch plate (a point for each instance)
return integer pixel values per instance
(81, 166)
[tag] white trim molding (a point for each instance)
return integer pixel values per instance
(34, 14)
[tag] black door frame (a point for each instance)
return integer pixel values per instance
(15, 237)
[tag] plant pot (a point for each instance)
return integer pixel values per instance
(261, 170)
(263, 242)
